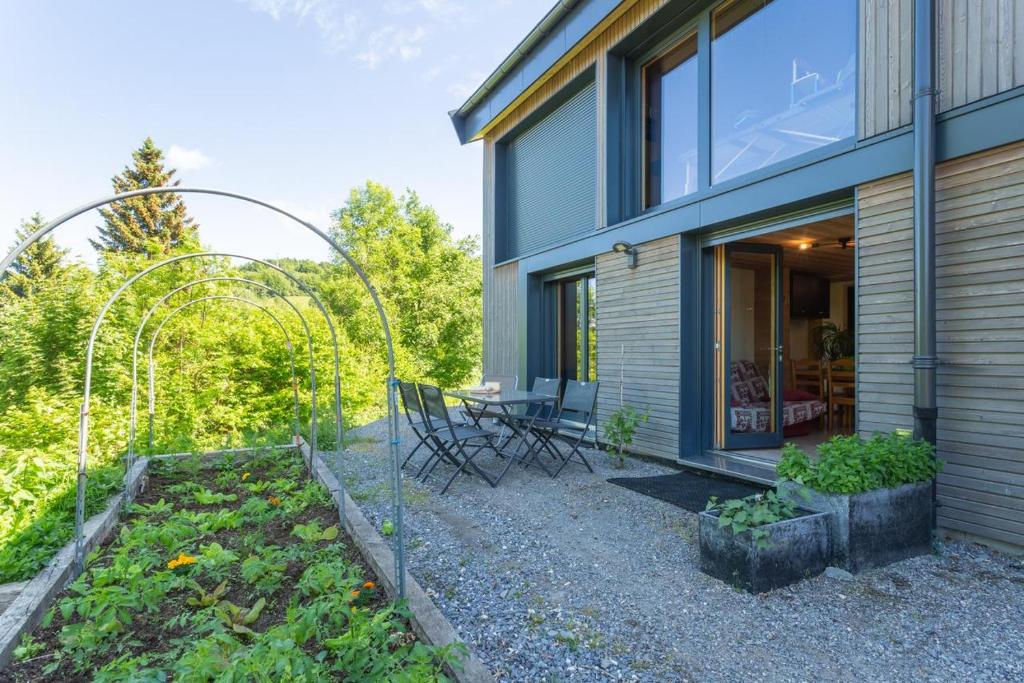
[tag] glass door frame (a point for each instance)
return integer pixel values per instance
(554, 318)
(723, 344)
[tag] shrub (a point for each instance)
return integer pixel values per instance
(620, 428)
(851, 464)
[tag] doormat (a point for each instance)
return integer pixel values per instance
(687, 490)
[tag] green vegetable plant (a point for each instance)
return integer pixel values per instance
(239, 619)
(312, 533)
(752, 514)
(620, 429)
(852, 464)
(210, 599)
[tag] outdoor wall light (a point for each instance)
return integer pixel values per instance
(629, 250)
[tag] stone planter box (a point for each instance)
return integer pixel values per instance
(800, 548)
(874, 528)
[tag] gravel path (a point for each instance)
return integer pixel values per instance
(575, 579)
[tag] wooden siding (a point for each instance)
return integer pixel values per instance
(886, 65)
(980, 321)
(499, 289)
(980, 53)
(638, 326)
(981, 49)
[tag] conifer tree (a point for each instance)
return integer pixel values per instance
(40, 261)
(150, 224)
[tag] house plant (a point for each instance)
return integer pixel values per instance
(762, 542)
(879, 490)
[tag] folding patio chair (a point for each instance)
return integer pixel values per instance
(452, 440)
(417, 419)
(570, 422)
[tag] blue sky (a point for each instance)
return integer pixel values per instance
(292, 101)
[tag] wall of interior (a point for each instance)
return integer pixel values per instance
(638, 341)
(980, 320)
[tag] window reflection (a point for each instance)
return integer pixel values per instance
(783, 81)
(670, 92)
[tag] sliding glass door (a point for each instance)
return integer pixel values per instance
(576, 335)
(750, 344)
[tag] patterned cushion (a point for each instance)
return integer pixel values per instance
(759, 387)
(746, 369)
(742, 393)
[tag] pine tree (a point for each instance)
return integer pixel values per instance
(150, 224)
(40, 261)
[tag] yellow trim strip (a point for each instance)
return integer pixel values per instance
(579, 47)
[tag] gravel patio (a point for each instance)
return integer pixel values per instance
(576, 579)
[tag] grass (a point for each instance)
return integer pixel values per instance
(236, 572)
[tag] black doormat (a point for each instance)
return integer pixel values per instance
(687, 490)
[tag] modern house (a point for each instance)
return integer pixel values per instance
(679, 193)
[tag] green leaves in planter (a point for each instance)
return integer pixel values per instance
(851, 464)
(752, 514)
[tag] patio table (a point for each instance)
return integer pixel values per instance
(505, 400)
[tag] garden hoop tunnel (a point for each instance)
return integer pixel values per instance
(392, 381)
(254, 304)
(133, 413)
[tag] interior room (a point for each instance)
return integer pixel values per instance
(817, 320)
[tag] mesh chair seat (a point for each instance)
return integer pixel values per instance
(460, 433)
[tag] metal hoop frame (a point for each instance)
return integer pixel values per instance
(226, 297)
(219, 297)
(392, 381)
(133, 413)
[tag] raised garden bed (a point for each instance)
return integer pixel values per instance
(780, 554)
(236, 570)
(873, 528)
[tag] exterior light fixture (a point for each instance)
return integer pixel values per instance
(629, 250)
(804, 246)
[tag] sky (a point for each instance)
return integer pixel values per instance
(291, 101)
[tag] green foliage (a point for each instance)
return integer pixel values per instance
(312, 533)
(153, 224)
(851, 464)
(208, 497)
(620, 428)
(831, 341)
(39, 262)
(222, 371)
(752, 513)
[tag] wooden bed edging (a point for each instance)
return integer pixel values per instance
(27, 610)
(428, 621)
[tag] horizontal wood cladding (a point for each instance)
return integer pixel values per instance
(886, 65)
(500, 328)
(632, 14)
(980, 327)
(638, 341)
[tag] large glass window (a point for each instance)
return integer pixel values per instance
(577, 328)
(783, 80)
(670, 126)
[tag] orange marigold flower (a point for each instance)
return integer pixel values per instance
(369, 585)
(245, 475)
(181, 560)
(355, 594)
(273, 500)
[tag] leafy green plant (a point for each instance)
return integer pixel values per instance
(239, 619)
(265, 573)
(852, 464)
(752, 514)
(312, 533)
(831, 341)
(620, 429)
(210, 599)
(208, 497)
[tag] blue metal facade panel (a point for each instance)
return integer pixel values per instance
(551, 179)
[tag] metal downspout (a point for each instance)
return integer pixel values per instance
(925, 360)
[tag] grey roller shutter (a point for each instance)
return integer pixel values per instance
(552, 177)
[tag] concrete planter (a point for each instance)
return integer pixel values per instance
(874, 528)
(800, 548)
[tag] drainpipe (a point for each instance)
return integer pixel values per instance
(925, 361)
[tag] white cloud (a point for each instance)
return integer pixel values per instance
(373, 33)
(185, 159)
(467, 86)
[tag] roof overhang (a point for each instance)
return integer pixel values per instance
(558, 35)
